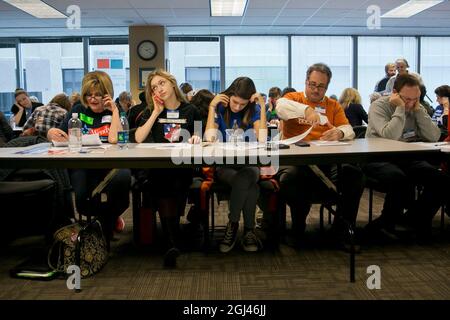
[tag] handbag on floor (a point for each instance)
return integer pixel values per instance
(81, 244)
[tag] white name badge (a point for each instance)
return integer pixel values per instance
(320, 110)
(176, 121)
(173, 114)
(409, 134)
(106, 119)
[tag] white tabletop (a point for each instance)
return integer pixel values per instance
(163, 155)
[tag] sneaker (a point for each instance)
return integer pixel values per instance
(230, 237)
(250, 242)
(170, 257)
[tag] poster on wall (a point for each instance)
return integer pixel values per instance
(112, 62)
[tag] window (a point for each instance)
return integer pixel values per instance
(72, 80)
(374, 53)
(8, 82)
(43, 63)
(204, 78)
(196, 61)
(336, 52)
(111, 56)
(264, 59)
(435, 64)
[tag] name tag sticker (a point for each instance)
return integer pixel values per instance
(106, 119)
(173, 114)
(321, 110)
(409, 134)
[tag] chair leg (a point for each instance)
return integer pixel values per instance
(321, 217)
(370, 204)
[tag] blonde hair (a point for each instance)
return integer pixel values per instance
(96, 80)
(74, 97)
(166, 75)
(349, 96)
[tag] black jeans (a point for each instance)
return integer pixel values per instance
(399, 180)
(300, 187)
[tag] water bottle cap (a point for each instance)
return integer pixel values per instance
(123, 114)
(74, 115)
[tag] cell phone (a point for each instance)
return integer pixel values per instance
(302, 144)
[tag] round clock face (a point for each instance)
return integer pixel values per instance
(146, 50)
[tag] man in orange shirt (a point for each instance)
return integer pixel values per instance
(300, 185)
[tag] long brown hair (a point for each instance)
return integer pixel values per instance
(242, 87)
(166, 75)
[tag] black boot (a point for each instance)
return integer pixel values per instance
(170, 228)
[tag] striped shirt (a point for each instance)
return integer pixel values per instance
(45, 118)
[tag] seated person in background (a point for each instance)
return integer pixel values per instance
(75, 98)
(6, 132)
(299, 184)
(287, 90)
(440, 115)
(99, 115)
(401, 117)
(126, 101)
(242, 108)
(201, 100)
(166, 119)
(389, 69)
(423, 102)
(23, 107)
(274, 95)
(402, 68)
(46, 117)
(350, 100)
(374, 96)
(187, 90)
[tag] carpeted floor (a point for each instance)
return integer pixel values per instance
(408, 270)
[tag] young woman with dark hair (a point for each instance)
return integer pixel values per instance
(241, 104)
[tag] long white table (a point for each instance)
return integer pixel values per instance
(141, 156)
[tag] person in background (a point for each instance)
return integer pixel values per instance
(126, 101)
(350, 100)
(240, 107)
(201, 100)
(75, 98)
(374, 96)
(99, 115)
(274, 95)
(423, 102)
(168, 116)
(287, 90)
(6, 132)
(187, 90)
(23, 107)
(389, 70)
(49, 116)
(402, 68)
(440, 115)
(400, 117)
(334, 97)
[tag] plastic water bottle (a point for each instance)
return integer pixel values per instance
(75, 133)
(123, 135)
(235, 134)
(12, 121)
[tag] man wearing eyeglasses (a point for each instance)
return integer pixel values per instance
(401, 117)
(300, 185)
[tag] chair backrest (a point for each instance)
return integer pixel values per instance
(360, 132)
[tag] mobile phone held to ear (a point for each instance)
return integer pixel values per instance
(302, 144)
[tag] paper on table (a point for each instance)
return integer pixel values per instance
(242, 146)
(294, 139)
(329, 143)
(163, 146)
(86, 140)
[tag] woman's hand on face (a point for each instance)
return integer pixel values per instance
(108, 103)
(55, 134)
(158, 104)
(220, 98)
(195, 139)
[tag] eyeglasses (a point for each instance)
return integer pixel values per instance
(96, 96)
(161, 84)
(313, 85)
(408, 100)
